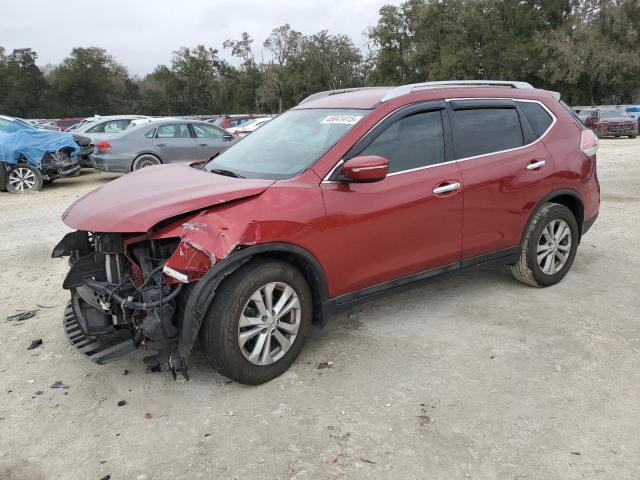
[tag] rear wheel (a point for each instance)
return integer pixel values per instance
(258, 322)
(145, 160)
(548, 248)
(24, 179)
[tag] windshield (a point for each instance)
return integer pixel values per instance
(288, 144)
(613, 114)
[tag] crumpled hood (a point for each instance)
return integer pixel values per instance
(137, 201)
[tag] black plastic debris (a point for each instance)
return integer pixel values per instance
(126, 372)
(122, 403)
(39, 392)
(18, 317)
(323, 365)
(59, 384)
(35, 344)
(106, 477)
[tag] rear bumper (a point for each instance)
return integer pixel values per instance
(108, 163)
(589, 223)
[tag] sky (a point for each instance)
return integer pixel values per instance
(143, 34)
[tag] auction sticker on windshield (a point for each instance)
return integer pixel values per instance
(342, 119)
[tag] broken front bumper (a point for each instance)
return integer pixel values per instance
(100, 350)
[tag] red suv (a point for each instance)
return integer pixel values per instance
(612, 122)
(348, 195)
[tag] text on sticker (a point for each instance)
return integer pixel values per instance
(342, 119)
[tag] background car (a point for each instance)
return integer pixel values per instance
(611, 122)
(249, 126)
(29, 156)
(103, 127)
(229, 121)
(584, 114)
(166, 141)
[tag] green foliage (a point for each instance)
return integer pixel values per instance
(589, 50)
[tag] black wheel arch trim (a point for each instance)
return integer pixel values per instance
(549, 198)
(204, 290)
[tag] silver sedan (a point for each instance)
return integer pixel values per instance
(167, 141)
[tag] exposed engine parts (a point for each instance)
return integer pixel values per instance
(119, 293)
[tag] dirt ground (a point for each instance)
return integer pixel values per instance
(473, 376)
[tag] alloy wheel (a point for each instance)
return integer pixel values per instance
(554, 247)
(22, 179)
(269, 323)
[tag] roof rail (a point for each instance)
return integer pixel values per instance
(328, 93)
(405, 89)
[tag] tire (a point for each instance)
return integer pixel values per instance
(221, 331)
(528, 270)
(23, 179)
(145, 160)
(633, 136)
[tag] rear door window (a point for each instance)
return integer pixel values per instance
(538, 117)
(480, 131)
(174, 130)
(412, 142)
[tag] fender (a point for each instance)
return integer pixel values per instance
(556, 193)
(204, 291)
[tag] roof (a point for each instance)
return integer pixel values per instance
(369, 97)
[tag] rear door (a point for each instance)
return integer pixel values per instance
(506, 169)
(210, 140)
(174, 143)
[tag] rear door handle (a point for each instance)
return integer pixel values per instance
(535, 165)
(448, 187)
(204, 145)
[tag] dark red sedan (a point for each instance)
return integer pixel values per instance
(350, 194)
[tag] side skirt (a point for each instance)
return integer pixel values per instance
(506, 256)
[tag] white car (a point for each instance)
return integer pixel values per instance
(247, 128)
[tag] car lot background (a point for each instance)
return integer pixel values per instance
(470, 376)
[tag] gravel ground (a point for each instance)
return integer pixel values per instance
(472, 376)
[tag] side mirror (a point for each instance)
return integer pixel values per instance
(368, 168)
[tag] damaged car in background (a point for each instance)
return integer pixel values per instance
(30, 157)
(350, 194)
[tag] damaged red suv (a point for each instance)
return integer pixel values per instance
(348, 195)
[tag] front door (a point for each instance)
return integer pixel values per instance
(210, 140)
(409, 222)
(174, 143)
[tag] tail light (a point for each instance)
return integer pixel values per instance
(102, 147)
(589, 143)
(237, 132)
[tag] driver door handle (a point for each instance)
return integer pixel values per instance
(203, 145)
(448, 187)
(162, 144)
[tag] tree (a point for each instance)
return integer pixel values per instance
(594, 56)
(22, 83)
(89, 82)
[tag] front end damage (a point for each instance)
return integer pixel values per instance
(125, 295)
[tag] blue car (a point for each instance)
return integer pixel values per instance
(29, 157)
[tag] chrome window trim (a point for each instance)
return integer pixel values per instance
(554, 120)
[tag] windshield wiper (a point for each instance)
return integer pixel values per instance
(228, 173)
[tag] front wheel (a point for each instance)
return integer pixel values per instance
(548, 248)
(258, 322)
(24, 179)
